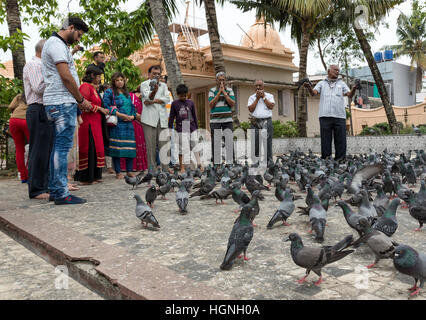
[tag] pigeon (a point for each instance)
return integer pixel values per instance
(417, 210)
(147, 178)
(239, 196)
(364, 174)
(381, 202)
(182, 198)
(151, 195)
(318, 219)
(144, 213)
(366, 209)
(284, 211)
(388, 186)
(381, 245)
(239, 240)
(316, 258)
(410, 262)
(352, 218)
(410, 176)
(252, 184)
(133, 181)
(219, 194)
(161, 178)
(252, 207)
(416, 130)
(387, 223)
(205, 188)
(164, 189)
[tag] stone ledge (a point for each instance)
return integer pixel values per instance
(109, 271)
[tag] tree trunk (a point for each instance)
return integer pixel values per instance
(365, 46)
(419, 79)
(321, 54)
(302, 105)
(216, 47)
(161, 25)
(14, 23)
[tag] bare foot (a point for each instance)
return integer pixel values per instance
(72, 188)
(110, 171)
(42, 196)
(119, 176)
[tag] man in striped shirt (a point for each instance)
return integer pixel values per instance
(332, 112)
(221, 102)
(40, 129)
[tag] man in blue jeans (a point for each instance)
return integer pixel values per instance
(61, 98)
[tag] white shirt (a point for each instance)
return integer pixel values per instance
(153, 113)
(261, 111)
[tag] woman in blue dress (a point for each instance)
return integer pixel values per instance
(122, 143)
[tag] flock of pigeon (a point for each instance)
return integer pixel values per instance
(373, 182)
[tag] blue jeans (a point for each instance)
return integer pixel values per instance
(64, 119)
(117, 167)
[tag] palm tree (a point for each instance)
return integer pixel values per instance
(215, 46)
(411, 32)
(161, 25)
(14, 25)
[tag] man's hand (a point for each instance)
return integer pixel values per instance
(85, 106)
(75, 49)
(307, 85)
(148, 102)
(159, 101)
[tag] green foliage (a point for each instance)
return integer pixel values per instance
(9, 89)
(378, 129)
(245, 125)
(285, 130)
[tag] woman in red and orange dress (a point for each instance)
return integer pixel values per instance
(90, 139)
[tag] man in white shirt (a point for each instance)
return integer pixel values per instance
(260, 105)
(155, 96)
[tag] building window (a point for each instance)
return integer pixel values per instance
(236, 94)
(284, 97)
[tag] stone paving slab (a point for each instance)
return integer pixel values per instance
(25, 276)
(194, 245)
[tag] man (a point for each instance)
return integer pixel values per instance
(221, 102)
(155, 96)
(61, 98)
(40, 129)
(99, 59)
(260, 105)
(332, 112)
(164, 78)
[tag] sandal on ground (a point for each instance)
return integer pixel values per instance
(119, 176)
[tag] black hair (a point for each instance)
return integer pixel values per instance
(166, 77)
(181, 89)
(154, 67)
(91, 73)
(78, 24)
(97, 53)
(114, 77)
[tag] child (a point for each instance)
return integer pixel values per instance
(182, 110)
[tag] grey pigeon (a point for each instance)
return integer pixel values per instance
(318, 219)
(316, 258)
(413, 263)
(151, 195)
(182, 198)
(366, 208)
(133, 181)
(364, 174)
(351, 217)
(144, 213)
(239, 240)
(381, 245)
(238, 195)
(387, 223)
(164, 189)
(284, 211)
(381, 202)
(417, 209)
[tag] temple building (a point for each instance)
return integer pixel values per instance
(260, 55)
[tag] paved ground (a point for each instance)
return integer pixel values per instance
(194, 245)
(24, 275)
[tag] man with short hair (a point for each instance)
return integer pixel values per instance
(332, 112)
(154, 118)
(40, 129)
(99, 59)
(221, 102)
(61, 98)
(260, 105)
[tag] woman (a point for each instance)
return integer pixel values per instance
(90, 139)
(19, 131)
(122, 142)
(140, 163)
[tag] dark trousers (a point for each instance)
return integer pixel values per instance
(221, 128)
(117, 167)
(270, 131)
(333, 127)
(41, 142)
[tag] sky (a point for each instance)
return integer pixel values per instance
(230, 20)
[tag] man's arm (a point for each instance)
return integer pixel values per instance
(213, 102)
(35, 77)
(228, 99)
(252, 105)
(69, 83)
(269, 103)
(351, 93)
(312, 92)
